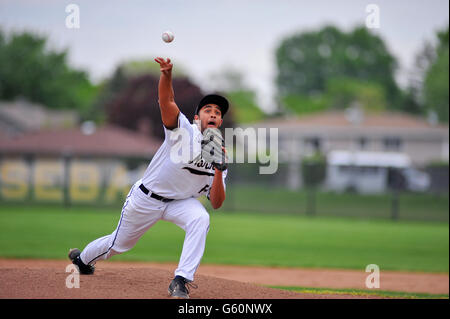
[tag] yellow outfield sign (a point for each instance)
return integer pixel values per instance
(88, 181)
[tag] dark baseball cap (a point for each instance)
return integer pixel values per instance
(219, 100)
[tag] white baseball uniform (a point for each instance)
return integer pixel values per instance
(180, 181)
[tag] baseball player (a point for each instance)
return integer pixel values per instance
(168, 190)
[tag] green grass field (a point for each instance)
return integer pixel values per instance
(363, 293)
(235, 238)
(414, 207)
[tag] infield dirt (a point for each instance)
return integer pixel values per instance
(46, 279)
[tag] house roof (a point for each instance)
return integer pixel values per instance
(104, 141)
(338, 122)
(340, 119)
(24, 116)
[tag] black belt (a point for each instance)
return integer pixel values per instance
(153, 195)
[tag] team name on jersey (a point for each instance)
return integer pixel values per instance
(201, 163)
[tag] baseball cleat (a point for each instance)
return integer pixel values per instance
(177, 288)
(74, 256)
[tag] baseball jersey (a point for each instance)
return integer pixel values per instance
(170, 177)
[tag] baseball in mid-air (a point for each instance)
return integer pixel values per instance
(167, 36)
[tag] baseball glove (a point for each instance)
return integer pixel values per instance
(213, 149)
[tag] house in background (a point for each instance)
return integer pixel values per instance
(19, 117)
(353, 130)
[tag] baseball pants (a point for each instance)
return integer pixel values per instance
(139, 213)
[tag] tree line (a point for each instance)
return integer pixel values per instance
(317, 70)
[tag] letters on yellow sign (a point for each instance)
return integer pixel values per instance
(14, 179)
(84, 181)
(48, 180)
(118, 184)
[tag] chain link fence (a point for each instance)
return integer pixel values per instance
(106, 181)
(249, 191)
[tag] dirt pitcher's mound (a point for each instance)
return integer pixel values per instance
(47, 280)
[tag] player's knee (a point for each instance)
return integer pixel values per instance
(205, 218)
(111, 253)
(119, 249)
(202, 220)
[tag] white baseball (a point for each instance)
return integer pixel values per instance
(167, 36)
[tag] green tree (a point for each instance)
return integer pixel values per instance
(111, 87)
(135, 104)
(245, 107)
(303, 104)
(423, 60)
(108, 91)
(307, 61)
(436, 81)
(241, 96)
(135, 68)
(29, 69)
(342, 92)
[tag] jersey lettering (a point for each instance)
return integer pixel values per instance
(204, 189)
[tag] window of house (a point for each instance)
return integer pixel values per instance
(362, 143)
(313, 143)
(392, 143)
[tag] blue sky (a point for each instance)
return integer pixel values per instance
(213, 35)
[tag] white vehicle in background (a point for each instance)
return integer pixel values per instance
(416, 181)
(373, 172)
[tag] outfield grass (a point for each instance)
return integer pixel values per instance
(363, 292)
(243, 239)
(414, 207)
